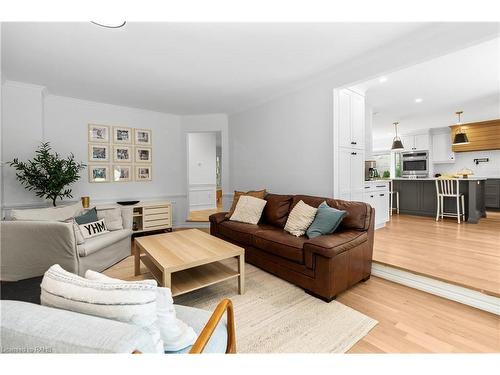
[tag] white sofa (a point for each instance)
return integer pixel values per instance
(29, 248)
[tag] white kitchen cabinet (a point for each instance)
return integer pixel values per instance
(441, 148)
(348, 145)
(351, 174)
(351, 119)
(376, 194)
(415, 142)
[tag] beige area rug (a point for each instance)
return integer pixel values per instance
(274, 316)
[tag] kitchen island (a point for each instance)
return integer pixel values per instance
(419, 197)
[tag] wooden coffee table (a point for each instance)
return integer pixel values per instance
(189, 260)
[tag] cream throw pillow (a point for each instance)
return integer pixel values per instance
(248, 209)
(300, 218)
(112, 216)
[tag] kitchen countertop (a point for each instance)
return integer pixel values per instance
(435, 178)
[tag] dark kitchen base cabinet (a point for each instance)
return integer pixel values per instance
(492, 193)
(418, 197)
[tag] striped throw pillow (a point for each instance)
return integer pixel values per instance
(129, 302)
(300, 218)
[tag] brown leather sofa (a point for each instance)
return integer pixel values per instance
(324, 266)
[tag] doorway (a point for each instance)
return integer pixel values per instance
(204, 160)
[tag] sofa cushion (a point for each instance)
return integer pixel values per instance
(175, 334)
(358, 213)
(237, 194)
(332, 244)
(248, 210)
(92, 245)
(95, 229)
(277, 209)
(280, 243)
(326, 221)
(300, 218)
(241, 232)
(88, 217)
(128, 302)
(61, 213)
(112, 216)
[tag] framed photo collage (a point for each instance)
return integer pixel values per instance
(119, 154)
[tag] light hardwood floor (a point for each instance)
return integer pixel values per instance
(202, 215)
(463, 254)
(410, 321)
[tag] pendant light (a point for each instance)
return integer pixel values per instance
(460, 137)
(397, 145)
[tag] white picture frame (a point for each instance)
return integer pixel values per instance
(122, 154)
(98, 152)
(98, 173)
(122, 173)
(143, 173)
(143, 155)
(98, 133)
(122, 135)
(143, 137)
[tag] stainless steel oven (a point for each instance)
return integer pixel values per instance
(415, 164)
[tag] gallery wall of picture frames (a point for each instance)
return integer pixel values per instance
(119, 154)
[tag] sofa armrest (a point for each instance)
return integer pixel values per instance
(27, 327)
(218, 217)
(330, 245)
(29, 248)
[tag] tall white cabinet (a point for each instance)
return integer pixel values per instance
(349, 144)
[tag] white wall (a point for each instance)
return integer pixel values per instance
(31, 115)
(202, 174)
(284, 145)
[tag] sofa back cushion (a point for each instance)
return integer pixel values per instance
(358, 213)
(277, 209)
(61, 213)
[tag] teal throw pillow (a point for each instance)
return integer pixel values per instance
(88, 217)
(326, 221)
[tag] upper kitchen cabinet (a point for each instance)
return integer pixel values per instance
(482, 136)
(415, 142)
(351, 119)
(441, 148)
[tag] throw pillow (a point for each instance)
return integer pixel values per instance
(175, 334)
(112, 216)
(237, 194)
(248, 210)
(326, 221)
(93, 229)
(88, 217)
(300, 218)
(62, 213)
(129, 302)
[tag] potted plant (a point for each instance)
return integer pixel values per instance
(47, 174)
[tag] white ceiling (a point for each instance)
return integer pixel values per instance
(184, 68)
(467, 80)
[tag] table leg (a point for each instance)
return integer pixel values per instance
(137, 259)
(241, 271)
(167, 279)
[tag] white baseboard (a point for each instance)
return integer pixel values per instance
(439, 288)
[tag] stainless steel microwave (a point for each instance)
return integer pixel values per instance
(415, 164)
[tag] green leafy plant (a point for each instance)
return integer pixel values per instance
(48, 175)
(386, 174)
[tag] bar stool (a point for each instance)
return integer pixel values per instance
(391, 193)
(449, 188)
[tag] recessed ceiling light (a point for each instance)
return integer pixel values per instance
(110, 24)
(382, 79)
(418, 100)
